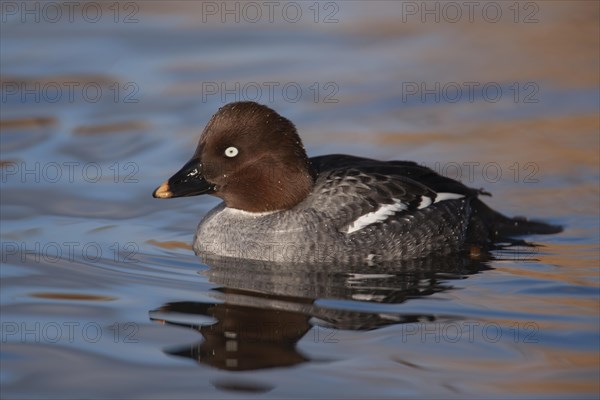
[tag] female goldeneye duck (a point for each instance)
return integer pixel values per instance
(279, 205)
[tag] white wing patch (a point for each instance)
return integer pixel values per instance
(447, 196)
(425, 201)
(383, 212)
(377, 216)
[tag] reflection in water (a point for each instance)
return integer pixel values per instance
(267, 308)
(72, 296)
(244, 337)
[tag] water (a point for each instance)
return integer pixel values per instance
(103, 297)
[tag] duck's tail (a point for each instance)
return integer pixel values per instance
(499, 226)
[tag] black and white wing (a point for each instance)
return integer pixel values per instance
(358, 192)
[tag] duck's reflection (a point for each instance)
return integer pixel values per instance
(267, 308)
(244, 337)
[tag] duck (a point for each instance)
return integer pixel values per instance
(280, 205)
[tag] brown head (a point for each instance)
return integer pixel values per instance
(249, 156)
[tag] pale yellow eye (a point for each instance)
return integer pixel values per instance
(231, 152)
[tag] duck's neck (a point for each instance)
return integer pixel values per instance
(269, 186)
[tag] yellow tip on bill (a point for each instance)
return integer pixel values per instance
(163, 191)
